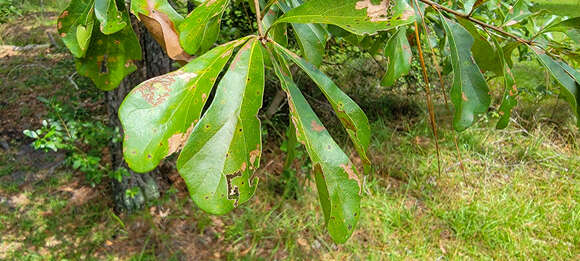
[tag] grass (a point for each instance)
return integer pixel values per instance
(518, 199)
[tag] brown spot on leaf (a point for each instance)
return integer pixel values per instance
(538, 50)
(376, 13)
(351, 174)
(255, 154)
(177, 141)
(64, 14)
(156, 91)
(316, 127)
(407, 14)
(464, 97)
(244, 167)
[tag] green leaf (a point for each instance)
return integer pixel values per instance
(472, 5)
(280, 32)
(570, 27)
(469, 93)
(162, 22)
(110, 58)
(75, 26)
(224, 149)
(337, 180)
(559, 7)
(567, 76)
(291, 142)
(517, 13)
(510, 93)
(311, 37)
(112, 18)
(159, 114)
(161, 7)
(399, 57)
(485, 55)
(356, 16)
(200, 28)
(350, 114)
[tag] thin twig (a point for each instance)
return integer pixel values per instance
(428, 94)
(442, 84)
(480, 23)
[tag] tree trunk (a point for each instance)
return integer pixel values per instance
(155, 62)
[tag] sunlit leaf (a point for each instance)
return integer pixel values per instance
(469, 93)
(570, 27)
(350, 114)
(399, 57)
(111, 17)
(356, 16)
(159, 114)
(200, 29)
(224, 149)
(75, 26)
(559, 7)
(337, 180)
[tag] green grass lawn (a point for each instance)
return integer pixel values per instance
(517, 199)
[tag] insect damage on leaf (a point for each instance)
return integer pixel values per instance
(177, 141)
(234, 191)
(255, 154)
(351, 174)
(377, 13)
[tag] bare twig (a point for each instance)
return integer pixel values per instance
(259, 18)
(428, 94)
(480, 23)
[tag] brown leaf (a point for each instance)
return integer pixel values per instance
(165, 32)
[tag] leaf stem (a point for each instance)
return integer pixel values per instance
(259, 18)
(480, 23)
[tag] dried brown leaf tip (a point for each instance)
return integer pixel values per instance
(165, 32)
(376, 12)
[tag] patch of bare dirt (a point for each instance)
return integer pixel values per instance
(31, 28)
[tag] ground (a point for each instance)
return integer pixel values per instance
(517, 198)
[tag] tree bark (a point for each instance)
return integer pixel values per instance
(155, 62)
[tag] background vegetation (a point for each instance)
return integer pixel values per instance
(518, 196)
